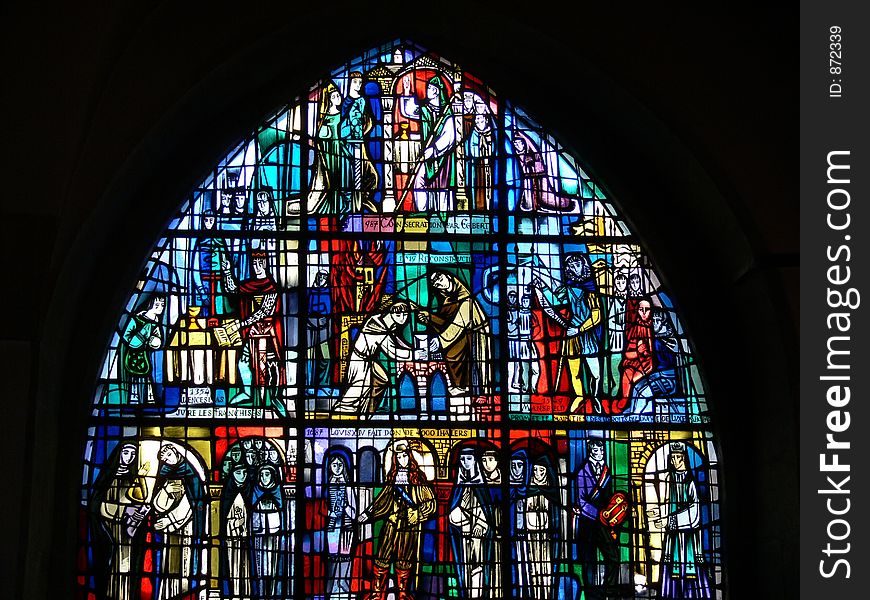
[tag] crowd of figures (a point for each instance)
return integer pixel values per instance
(539, 534)
(228, 338)
(341, 263)
(149, 516)
(151, 527)
(516, 524)
(590, 333)
(597, 337)
(230, 315)
(256, 519)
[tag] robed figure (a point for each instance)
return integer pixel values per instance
(142, 335)
(537, 191)
(118, 508)
(356, 123)
(494, 509)
(469, 527)
(543, 526)
(235, 519)
(261, 365)
(329, 187)
(341, 512)
(367, 379)
(268, 534)
(317, 373)
(434, 179)
(462, 334)
(180, 514)
(519, 487)
(683, 574)
(479, 150)
(209, 291)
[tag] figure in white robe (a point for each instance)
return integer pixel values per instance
(542, 520)
(268, 534)
(122, 508)
(236, 517)
(469, 526)
(683, 574)
(367, 378)
(179, 511)
(434, 179)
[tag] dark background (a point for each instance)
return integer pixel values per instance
(113, 111)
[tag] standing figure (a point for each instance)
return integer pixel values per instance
(230, 219)
(355, 124)
(208, 284)
(261, 363)
(264, 222)
(682, 574)
(469, 526)
(329, 194)
(462, 332)
(593, 494)
(531, 362)
(141, 335)
(434, 179)
(519, 487)
(616, 315)
(494, 509)
(367, 379)
(267, 534)
(340, 527)
(118, 509)
(406, 501)
(180, 514)
(235, 519)
(524, 368)
(479, 150)
(530, 370)
(318, 373)
(515, 368)
(542, 508)
(637, 360)
(581, 320)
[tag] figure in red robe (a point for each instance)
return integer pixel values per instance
(553, 391)
(637, 359)
(261, 368)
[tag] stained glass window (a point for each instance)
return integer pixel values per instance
(399, 344)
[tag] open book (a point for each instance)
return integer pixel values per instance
(228, 336)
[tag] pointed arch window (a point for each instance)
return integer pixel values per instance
(399, 342)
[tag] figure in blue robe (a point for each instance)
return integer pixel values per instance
(207, 286)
